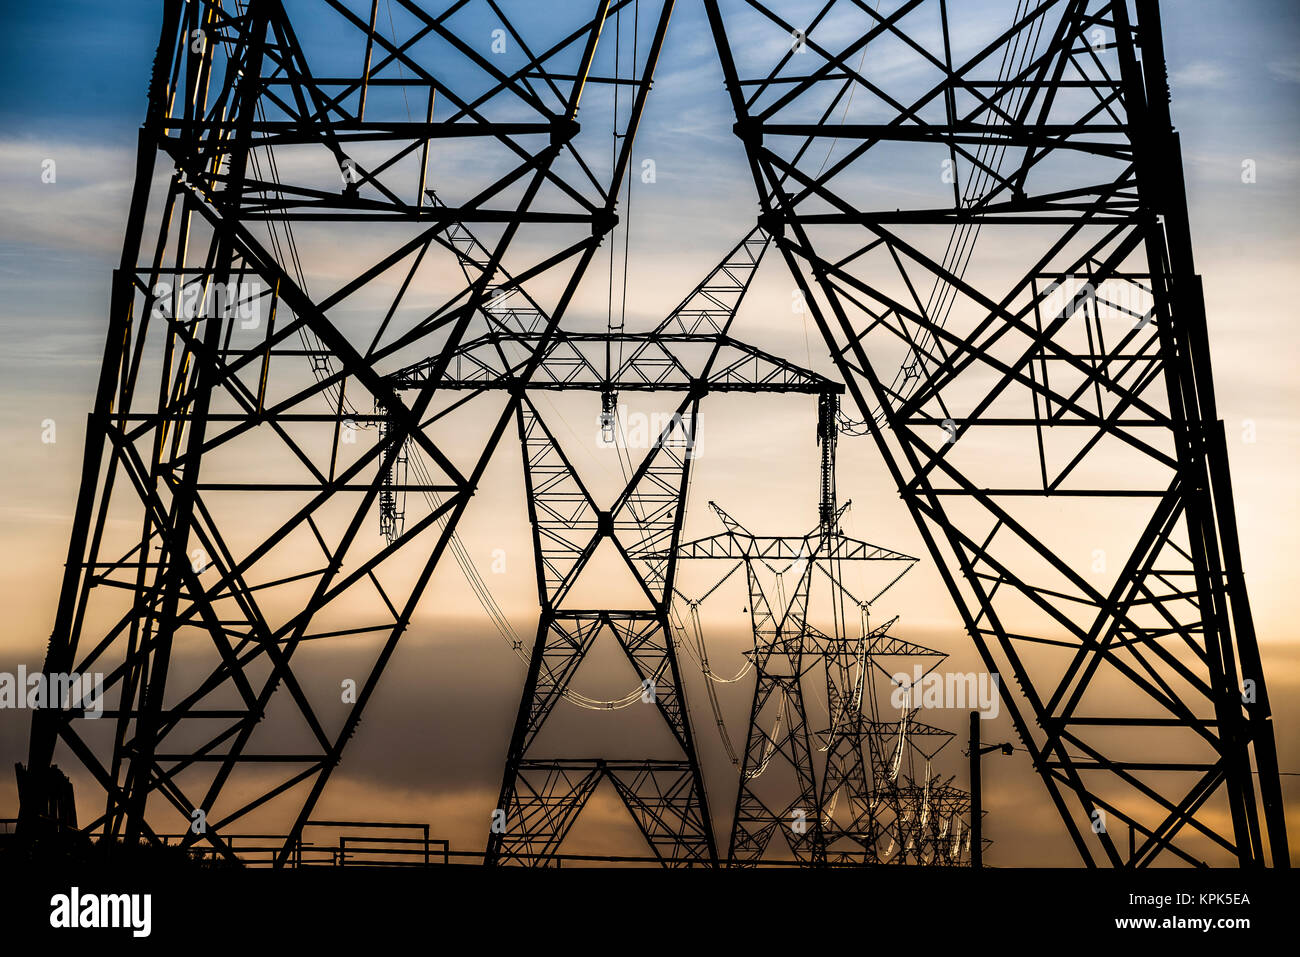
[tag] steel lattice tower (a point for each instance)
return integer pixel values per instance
(689, 355)
(788, 652)
(994, 390)
(197, 578)
(223, 529)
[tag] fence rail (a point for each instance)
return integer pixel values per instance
(346, 847)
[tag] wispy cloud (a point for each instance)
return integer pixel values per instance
(1288, 70)
(64, 195)
(1201, 73)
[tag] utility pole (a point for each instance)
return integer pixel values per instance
(976, 803)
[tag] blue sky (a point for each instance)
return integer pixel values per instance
(75, 67)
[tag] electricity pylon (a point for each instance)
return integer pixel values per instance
(992, 237)
(788, 652)
(1050, 422)
(217, 543)
(687, 356)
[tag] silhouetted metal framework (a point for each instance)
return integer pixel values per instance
(786, 650)
(690, 353)
(877, 805)
(843, 787)
(217, 541)
(992, 237)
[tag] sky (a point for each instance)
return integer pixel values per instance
(74, 76)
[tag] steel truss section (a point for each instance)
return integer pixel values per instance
(216, 546)
(1024, 405)
(869, 763)
(789, 652)
(691, 353)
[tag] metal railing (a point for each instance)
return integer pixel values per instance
(368, 850)
(348, 848)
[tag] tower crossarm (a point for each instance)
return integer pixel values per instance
(785, 548)
(659, 361)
